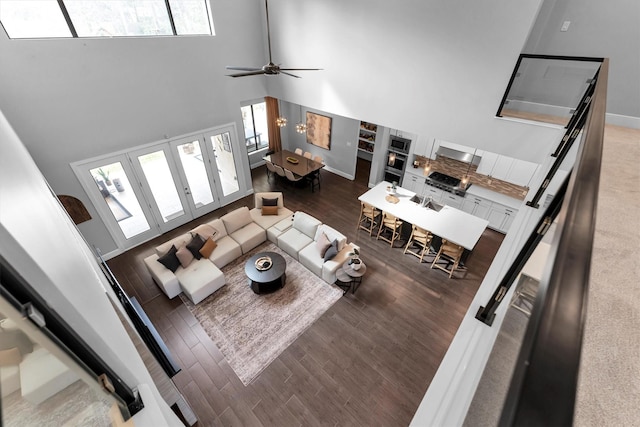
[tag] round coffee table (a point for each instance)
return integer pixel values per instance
(269, 280)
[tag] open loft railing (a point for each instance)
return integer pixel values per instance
(542, 388)
(549, 88)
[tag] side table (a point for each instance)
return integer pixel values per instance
(349, 279)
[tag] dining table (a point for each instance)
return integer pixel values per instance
(296, 163)
(447, 222)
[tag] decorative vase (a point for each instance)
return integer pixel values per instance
(356, 264)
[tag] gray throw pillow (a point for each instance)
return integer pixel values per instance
(332, 251)
(195, 245)
(269, 202)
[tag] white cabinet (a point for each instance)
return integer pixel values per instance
(422, 146)
(502, 167)
(487, 162)
(521, 172)
(500, 217)
(413, 182)
(477, 206)
(433, 192)
(452, 200)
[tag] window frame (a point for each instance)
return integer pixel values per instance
(255, 147)
(74, 33)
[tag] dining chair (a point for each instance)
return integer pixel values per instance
(298, 151)
(291, 177)
(451, 253)
(279, 170)
(421, 238)
(318, 159)
(307, 154)
(390, 223)
(368, 216)
(271, 169)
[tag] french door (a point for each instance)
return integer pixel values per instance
(147, 191)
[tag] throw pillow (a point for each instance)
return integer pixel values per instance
(332, 251)
(170, 260)
(195, 245)
(269, 210)
(323, 244)
(269, 202)
(184, 256)
(208, 248)
(205, 230)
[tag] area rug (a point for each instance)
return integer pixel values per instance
(252, 330)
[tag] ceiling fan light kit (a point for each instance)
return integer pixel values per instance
(269, 69)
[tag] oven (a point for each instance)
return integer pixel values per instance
(392, 176)
(396, 161)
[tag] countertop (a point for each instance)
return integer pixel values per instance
(510, 202)
(449, 223)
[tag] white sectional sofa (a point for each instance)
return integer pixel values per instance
(237, 233)
(301, 241)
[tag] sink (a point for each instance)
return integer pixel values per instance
(434, 206)
(429, 205)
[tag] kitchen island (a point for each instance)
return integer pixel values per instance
(448, 223)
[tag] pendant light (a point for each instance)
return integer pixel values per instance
(301, 127)
(427, 166)
(465, 178)
(281, 121)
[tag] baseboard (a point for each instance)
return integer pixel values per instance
(624, 121)
(339, 173)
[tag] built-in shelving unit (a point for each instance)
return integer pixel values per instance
(367, 138)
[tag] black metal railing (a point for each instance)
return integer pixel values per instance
(544, 381)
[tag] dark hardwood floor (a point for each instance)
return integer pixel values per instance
(367, 361)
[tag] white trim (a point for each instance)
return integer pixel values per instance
(624, 121)
(538, 108)
(339, 173)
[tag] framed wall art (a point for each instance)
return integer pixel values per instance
(319, 130)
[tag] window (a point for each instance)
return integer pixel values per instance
(105, 18)
(256, 130)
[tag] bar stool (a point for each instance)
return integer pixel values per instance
(391, 223)
(422, 238)
(451, 253)
(368, 215)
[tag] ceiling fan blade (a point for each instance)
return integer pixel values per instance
(301, 69)
(228, 67)
(289, 74)
(250, 73)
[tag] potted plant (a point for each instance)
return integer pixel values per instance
(354, 259)
(105, 176)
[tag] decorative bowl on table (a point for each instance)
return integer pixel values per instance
(292, 160)
(263, 263)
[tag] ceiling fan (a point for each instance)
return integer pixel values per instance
(270, 69)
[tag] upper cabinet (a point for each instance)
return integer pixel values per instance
(506, 168)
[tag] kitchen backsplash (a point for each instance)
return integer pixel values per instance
(458, 169)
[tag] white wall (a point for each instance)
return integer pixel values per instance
(605, 29)
(39, 240)
(71, 100)
(429, 68)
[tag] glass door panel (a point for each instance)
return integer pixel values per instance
(225, 162)
(193, 172)
(115, 189)
(162, 186)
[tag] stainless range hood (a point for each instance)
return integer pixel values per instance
(460, 156)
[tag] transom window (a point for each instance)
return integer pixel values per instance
(105, 18)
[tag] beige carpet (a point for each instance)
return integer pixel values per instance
(252, 330)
